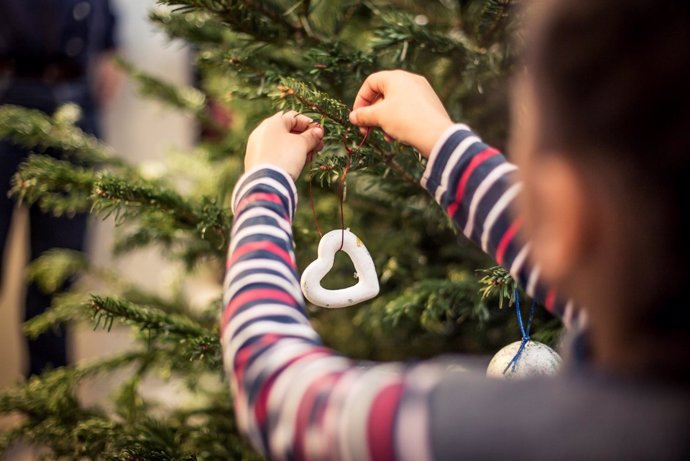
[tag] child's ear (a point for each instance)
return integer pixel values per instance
(562, 228)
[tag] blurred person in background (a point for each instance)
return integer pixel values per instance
(52, 52)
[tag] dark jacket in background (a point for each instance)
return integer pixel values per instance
(48, 50)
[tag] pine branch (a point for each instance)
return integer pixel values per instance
(52, 392)
(311, 100)
(56, 186)
(262, 19)
(86, 437)
(32, 128)
(54, 417)
(114, 196)
(438, 305)
(330, 18)
(160, 230)
(495, 18)
(336, 65)
(106, 309)
(65, 307)
(129, 404)
(368, 193)
(195, 27)
(401, 28)
(255, 67)
(211, 424)
(53, 268)
(118, 196)
(180, 340)
(60, 187)
(498, 282)
(183, 98)
(186, 99)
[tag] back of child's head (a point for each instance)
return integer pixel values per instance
(612, 83)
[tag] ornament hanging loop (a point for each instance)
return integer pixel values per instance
(525, 357)
(525, 331)
(341, 186)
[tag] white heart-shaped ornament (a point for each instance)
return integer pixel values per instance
(366, 288)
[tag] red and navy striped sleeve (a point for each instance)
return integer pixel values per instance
(476, 186)
(295, 398)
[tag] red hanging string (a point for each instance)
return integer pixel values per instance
(341, 184)
(310, 159)
(341, 187)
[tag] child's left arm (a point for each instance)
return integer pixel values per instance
(476, 186)
(471, 181)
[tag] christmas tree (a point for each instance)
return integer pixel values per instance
(438, 292)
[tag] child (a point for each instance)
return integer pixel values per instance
(600, 138)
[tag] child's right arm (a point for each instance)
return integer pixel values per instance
(472, 182)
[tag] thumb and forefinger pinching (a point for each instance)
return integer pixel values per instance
(365, 116)
(294, 122)
(368, 102)
(313, 137)
(303, 126)
(371, 90)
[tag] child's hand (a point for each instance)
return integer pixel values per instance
(404, 105)
(283, 140)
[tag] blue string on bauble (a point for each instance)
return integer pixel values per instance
(526, 357)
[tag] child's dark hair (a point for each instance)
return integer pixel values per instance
(612, 79)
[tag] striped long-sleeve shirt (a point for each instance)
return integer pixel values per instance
(476, 186)
(297, 399)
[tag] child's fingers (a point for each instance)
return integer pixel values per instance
(294, 122)
(372, 88)
(313, 138)
(367, 116)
